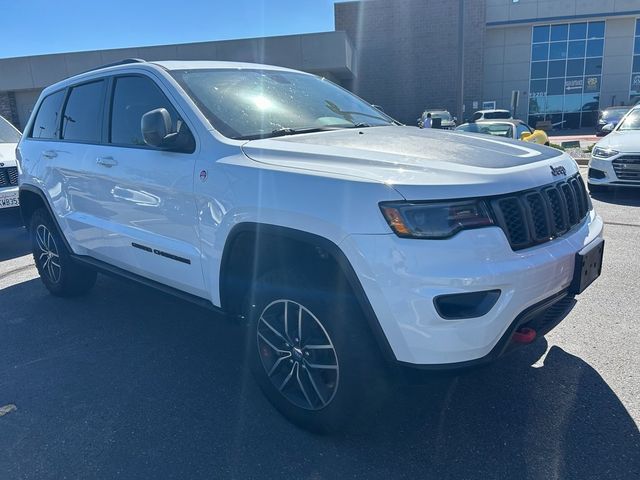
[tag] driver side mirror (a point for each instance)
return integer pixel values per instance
(609, 127)
(157, 131)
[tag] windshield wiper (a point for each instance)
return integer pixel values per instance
(281, 132)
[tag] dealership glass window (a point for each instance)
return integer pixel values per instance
(557, 68)
(574, 68)
(539, 70)
(634, 92)
(559, 32)
(557, 50)
(541, 34)
(577, 31)
(540, 52)
(576, 49)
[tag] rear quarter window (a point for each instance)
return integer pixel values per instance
(47, 119)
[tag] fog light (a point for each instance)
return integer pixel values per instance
(459, 306)
(597, 174)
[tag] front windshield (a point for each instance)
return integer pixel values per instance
(246, 104)
(631, 121)
(8, 134)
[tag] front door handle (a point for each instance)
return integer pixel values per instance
(49, 154)
(106, 161)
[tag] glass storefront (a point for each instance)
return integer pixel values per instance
(635, 69)
(566, 73)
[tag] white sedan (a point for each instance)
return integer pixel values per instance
(615, 160)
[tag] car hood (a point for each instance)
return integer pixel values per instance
(8, 154)
(625, 141)
(419, 164)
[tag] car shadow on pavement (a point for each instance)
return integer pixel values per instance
(129, 382)
(620, 196)
(14, 241)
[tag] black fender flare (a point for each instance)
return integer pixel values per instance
(325, 245)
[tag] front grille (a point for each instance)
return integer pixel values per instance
(8, 177)
(627, 167)
(536, 216)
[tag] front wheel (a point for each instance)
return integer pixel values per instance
(60, 274)
(312, 354)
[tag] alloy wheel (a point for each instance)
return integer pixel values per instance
(48, 253)
(297, 354)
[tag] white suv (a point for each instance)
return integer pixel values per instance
(353, 247)
(9, 138)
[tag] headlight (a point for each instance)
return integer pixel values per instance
(599, 152)
(435, 220)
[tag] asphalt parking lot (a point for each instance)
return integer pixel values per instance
(128, 383)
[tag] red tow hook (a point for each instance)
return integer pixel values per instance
(524, 335)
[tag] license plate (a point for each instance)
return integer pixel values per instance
(8, 200)
(588, 266)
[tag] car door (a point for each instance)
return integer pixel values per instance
(67, 123)
(143, 196)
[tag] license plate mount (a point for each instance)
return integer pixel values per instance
(588, 266)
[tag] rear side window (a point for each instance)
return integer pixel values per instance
(132, 98)
(48, 117)
(82, 119)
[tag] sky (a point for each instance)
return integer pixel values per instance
(33, 27)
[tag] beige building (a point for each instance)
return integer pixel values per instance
(566, 58)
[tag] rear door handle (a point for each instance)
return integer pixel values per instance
(107, 161)
(49, 154)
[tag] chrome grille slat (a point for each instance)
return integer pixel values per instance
(539, 215)
(627, 167)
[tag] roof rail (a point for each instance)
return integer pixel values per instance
(126, 61)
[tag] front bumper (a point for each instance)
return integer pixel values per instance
(401, 278)
(602, 172)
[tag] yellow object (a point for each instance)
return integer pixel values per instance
(538, 136)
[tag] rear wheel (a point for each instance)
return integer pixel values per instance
(312, 354)
(59, 273)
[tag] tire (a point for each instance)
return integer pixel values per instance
(60, 274)
(319, 389)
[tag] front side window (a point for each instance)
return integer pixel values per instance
(8, 134)
(132, 98)
(82, 118)
(47, 119)
(246, 104)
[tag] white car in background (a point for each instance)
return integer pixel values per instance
(615, 160)
(9, 138)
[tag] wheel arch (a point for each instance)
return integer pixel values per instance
(31, 199)
(252, 249)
